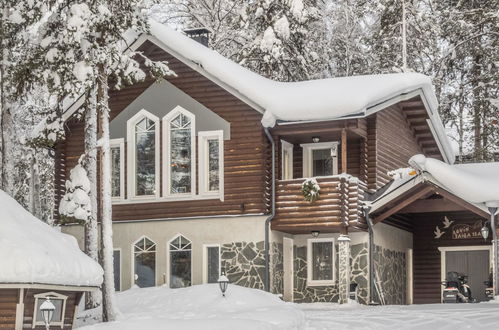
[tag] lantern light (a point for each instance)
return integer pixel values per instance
(223, 282)
(315, 233)
(485, 231)
(47, 309)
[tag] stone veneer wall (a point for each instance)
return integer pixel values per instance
(244, 263)
(276, 268)
(359, 270)
(390, 267)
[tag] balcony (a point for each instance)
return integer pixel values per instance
(338, 206)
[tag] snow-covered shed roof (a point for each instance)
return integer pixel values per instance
(475, 183)
(32, 252)
(313, 100)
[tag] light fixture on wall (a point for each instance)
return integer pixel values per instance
(315, 139)
(47, 309)
(315, 233)
(485, 231)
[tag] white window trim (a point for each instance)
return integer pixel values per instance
(166, 151)
(41, 297)
(167, 282)
(286, 146)
(307, 156)
(131, 184)
(121, 266)
(120, 143)
(310, 281)
(132, 278)
(203, 138)
(205, 260)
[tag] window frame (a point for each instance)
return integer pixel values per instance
(167, 148)
(120, 143)
(131, 153)
(203, 153)
(168, 266)
(132, 278)
(310, 280)
(307, 156)
(205, 260)
(40, 297)
(286, 146)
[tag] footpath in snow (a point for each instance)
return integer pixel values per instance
(200, 307)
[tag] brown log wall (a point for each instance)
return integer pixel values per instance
(8, 301)
(295, 215)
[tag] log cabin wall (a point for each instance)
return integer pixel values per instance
(245, 165)
(394, 143)
(8, 301)
(427, 267)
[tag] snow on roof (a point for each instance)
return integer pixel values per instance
(33, 252)
(475, 183)
(313, 100)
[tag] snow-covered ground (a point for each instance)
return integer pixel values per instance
(200, 307)
(426, 317)
(203, 307)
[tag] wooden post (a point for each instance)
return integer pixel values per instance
(343, 150)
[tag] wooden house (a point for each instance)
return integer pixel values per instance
(38, 262)
(208, 167)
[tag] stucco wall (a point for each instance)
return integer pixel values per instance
(232, 233)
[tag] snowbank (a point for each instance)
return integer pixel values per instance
(33, 252)
(202, 307)
(475, 183)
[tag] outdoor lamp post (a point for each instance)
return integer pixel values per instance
(492, 211)
(47, 309)
(223, 282)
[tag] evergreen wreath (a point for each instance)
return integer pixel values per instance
(310, 190)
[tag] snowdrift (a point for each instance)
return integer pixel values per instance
(33, 252)
(202, 307)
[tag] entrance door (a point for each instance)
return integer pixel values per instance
(287, 246)
(475, 264)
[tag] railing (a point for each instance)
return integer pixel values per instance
(339, 205)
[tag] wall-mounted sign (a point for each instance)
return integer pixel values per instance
(467, 230)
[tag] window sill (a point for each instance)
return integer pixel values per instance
(165, 199)
(320, 283)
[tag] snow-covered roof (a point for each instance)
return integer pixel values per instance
(313, 100)
(476, 183)
(33, 252)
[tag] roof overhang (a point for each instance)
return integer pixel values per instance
(42, 286)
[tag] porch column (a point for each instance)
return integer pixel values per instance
(343, 151)
(344, 268)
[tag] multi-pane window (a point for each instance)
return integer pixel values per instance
(117, 168)
(145, 157)
(320, 261)
(145, 262)
(180, 155)
(212, 263)
(210, 162)
(180, 262)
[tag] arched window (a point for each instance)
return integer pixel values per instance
(179, 167)
(143, 155)
(144, 258)
(180, 262)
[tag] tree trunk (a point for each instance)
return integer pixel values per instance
(92, 299)
(108, 298)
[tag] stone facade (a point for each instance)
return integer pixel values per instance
(244, 263)
(390, 267)
(344, 268)
(359, 270)
(276, 268)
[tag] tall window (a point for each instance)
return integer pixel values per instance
(211, 162)
(145, 133)
(145, 262)
(179, 129)
(211, 263)
(180, 262)
(320, 261)
(117, 269)
(287, 160)
(143, 155)
(117, 168)
(320, 159)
